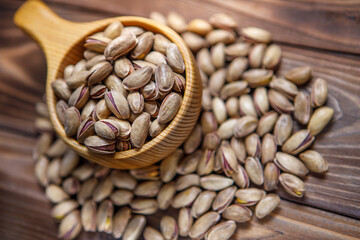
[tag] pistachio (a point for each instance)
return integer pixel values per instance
(152, 234)
(194, 41)
(223, 230)
(292, 185)
(228, 158)
(282, 129)
(204, 62)
(268, 148)
(266, 123)
(88, 216)
(253, 145)
(169, 228)
(206, 101)
(155, 58)
(120, 221)
(136, 102)
(121, 197)
(169, 107)
(79, 97)
(220, 35)
(146, 173)
(245, 126)
(299, 75)
(254, 170)
(104, 217)
(123, 180)
(71, 185)
(160, 43)
(159, 17)
(194, 140)
(246, 105)
(215, 182)
(97, 144)
(290, 164)
(40, 169)
(261, 101)
(211, 141)
(84, 172)
(202, 203)
(55, 194)
(239, 149)
(144, 206)
(102, 190)
(57, 149)
(240, 177)
(97, 43)
(93, 61)
(150, 91)
(123, 126)
(138, 79)
(175, 58)
(43, 125)
(218, 55)
(298, 142)
(121, 45)
(258, 77)
(101, 111)
(279, 102)
(223, 199)
(302, 107)
(164, 78)
(199, 26)
(156, 128)
(217, 81)
(208, 122)
(179, 83)
(287, 88)
(165, 195)
(236, 68)
(237, 213)
(89, 54)
(314, 161)
(176, 22)
(42, 144)
(60, 108)
(107, 128)
(232, 107)
(134, 228)
(238, 49)
(140, 129)
(271, 176)
(186, 181)
(256, 55)
(320, 118)
(99, 72)
(61, 89)
(137, 31)
(185, 221)
(69, 162)
(189, 163)
(113, 30)
(203, 224)
(122, 68)
(53, 171)
(147, 188)
(255, 34)
(272, 57)
(169, 164)
(319, 92)
(234, 89)
(249, 196)
(267, 205)
(219, 110)
(70, 226)
(86, 190)
(223, 20)
(68, 70)
(117, 104)
(185, 197)
(72, 121)
(145, 42)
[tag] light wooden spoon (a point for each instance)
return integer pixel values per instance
(62, 41)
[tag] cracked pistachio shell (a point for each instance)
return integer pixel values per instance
(97, 91)
(227, 158)
(290, 164)
(99, 72)
(61, 89)
(245, 126)
(79, 97)
(120, 221)
(223, 199)
(271, 176)
(258, 77)
(240, 177)
(256, 55)
(70, 226)
(320, 118)
(71, 185)
(123, 126)
(314, 161)
(292, 185)
(121, 45)
(203, 59)
(272, 57)
(72, 121)
(254, 170)
(117, 104)
(140, 130)
(202, 203)
(266, 123)
(255, 34)
(179, 83)
(134, 228)
(144, 45)
(199, 26)
(152, 107)
(299, 75)
(169, 107)
(101, 111)
(286, 87)
(261, 101)
(174, 58)
(302, 107)
(249, 196)
(206, 163)
(319, 92)
(266, 205)
(100, 145)
(279, 102)
(236, 68)
(165, 195)
(96, 43)
(237, 213)
(107, 128)
(203, 224)
(194, 41)
(220, 35)
(122, 68)
(298, 142)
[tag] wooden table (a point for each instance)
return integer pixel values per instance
(322, 34)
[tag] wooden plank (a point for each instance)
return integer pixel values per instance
(300, 23)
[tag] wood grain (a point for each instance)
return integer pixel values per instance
(25, 212)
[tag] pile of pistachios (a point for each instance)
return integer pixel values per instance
(245, 143)
(124, 92)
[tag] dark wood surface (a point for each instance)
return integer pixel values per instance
(322, 34)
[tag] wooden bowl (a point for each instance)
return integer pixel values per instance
(62, 41)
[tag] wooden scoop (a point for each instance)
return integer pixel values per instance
(62, 41)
